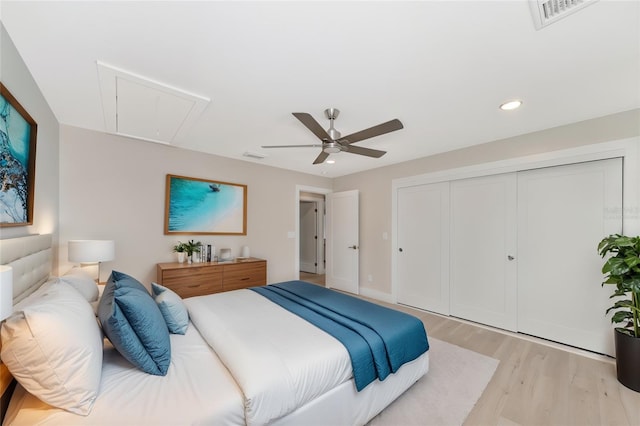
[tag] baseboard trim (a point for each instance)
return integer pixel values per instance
(375, 294)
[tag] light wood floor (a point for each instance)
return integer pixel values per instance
(312, 278)
(536, 383)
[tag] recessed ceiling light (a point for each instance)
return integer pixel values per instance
(331, 161)
(511, 105)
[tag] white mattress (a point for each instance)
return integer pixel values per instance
(279, 361)
(196, 390)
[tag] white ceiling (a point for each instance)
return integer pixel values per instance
(441, 67)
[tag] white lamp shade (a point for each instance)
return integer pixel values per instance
(90, 251)
(6, 291)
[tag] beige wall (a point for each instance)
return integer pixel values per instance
(17, 79)
(113, 187)
(375, 185)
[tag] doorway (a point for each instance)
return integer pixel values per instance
(311, 249)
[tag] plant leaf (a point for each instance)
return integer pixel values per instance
(621, 316)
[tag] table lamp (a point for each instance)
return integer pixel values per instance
(91, 251)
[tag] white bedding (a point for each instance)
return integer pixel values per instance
(279, 361)
(287, 372)
(197, 390)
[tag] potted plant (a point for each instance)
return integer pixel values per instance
(181, 249)
(623, 271)
(191, 248)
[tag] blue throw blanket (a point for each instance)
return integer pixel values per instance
(379, 340)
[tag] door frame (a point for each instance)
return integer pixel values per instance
(299, 190)
(628, 149)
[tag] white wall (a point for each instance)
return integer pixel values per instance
(16, 78)
(113, 187)
(375, 185)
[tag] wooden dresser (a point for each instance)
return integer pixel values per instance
(196, 279)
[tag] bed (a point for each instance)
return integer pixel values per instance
(243, 359)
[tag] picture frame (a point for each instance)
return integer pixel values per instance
(17, 174)
(195, 206)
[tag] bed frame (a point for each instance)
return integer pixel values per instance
(32, 261)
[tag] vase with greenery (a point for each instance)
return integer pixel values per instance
(192, 247)
(181, 249)
(622, 270)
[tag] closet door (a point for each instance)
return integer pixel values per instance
(422, 257)
(483, 243)
(564, 212)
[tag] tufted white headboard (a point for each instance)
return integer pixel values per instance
(31, 259)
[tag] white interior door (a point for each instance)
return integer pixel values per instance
(309, 236)
(483, 244)
(422, 257)
(342, 241)
(563, 213)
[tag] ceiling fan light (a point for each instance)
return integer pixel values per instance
(331, 149)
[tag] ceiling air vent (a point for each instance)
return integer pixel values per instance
(546, 12)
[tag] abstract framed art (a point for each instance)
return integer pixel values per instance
(196, 206)
(17, 160)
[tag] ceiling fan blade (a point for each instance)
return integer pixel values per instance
(353, 149)
(312, 125)
(320, 158)
(371, 132)
(292, 146)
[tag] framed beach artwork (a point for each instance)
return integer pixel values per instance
(200, 206)
(17, 160)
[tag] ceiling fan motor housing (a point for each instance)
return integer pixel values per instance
(331, 147)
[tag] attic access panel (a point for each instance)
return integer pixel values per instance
(141, 108)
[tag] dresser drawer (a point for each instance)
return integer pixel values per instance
(242, 275)
(189, 280)
(193, 281)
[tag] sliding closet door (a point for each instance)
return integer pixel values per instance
(483, 243)
(563, 213)
(422, 259)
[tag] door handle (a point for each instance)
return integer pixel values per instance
(400, 249)
(510, 257)
(355, 247)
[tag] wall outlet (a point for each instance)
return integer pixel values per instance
(370, 278)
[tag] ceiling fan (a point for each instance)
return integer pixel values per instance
(333, 142)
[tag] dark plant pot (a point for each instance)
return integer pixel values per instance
(628, 360)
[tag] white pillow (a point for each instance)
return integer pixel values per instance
(83, 282)
(52, 345)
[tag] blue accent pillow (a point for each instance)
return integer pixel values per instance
(133, 323)
(173, 310)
